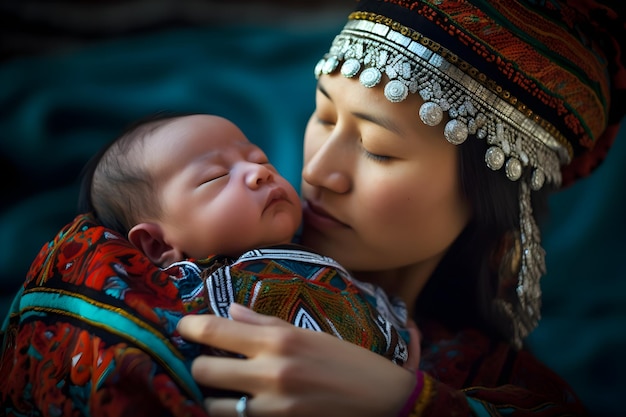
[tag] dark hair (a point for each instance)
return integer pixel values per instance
(115, 185)
(461, 290)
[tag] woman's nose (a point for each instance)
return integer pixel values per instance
(257, 175)
(327, 166)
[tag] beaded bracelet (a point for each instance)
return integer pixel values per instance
(409, 405)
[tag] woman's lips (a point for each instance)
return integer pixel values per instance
(317, 217)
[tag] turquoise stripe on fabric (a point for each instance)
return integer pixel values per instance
(86, 310)
(13, 309)
(477, 407)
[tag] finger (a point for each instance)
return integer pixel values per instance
(230, 374)
(415, 350)
(244, 314)
(225, 407)
(222, 333)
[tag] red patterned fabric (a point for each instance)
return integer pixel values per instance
(466, 373)
(93, 330)
(91, 333)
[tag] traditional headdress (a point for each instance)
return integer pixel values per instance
(538, 81)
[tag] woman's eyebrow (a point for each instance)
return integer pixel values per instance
(322, 90)
(381, 121)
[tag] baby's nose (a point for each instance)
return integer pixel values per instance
(258, 175)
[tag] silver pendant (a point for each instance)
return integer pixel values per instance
(431, 114)
(455, 132)
(370, 77)
(396, 91)
(494, 157)
(350, 68)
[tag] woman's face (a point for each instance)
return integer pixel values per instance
(381, 189)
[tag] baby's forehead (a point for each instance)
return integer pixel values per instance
(203, 140)
(212, 129)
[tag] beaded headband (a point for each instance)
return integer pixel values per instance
(373, 45)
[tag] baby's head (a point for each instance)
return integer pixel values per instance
(191, 186)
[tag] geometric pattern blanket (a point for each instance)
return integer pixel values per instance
(92, 332)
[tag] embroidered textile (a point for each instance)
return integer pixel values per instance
(467, 373)
(93, 330)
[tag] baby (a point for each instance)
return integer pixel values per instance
(181, 215)
(192, 191)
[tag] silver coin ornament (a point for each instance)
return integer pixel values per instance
(455, 132)
(319, 67)
(370, 77)
(513, 169)
(330, 65)
(350, 68)
(396, 91)
(494, 157)
(538, 179)
(431, 113)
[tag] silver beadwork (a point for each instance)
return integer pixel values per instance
(431, 114)
(375, 48)
(370, 77)
(520, 307)
(513, 169)
(538, 179)
(330, 65)
(318, 67)
(455, 132)
(494, 157)
(395, 91)
(350, 68)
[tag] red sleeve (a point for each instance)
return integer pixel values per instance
(468, 374)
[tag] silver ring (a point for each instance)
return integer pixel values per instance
(242, 406)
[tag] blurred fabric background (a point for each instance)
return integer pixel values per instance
(73, 74)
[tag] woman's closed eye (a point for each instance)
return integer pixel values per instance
(376, 157)
(325, 121)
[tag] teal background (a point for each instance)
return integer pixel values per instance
(57, 109)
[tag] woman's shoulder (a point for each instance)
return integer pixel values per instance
(490, 375)
(468, 357)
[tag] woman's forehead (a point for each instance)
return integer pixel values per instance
(370, 103)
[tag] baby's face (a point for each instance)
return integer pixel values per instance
(219, 194)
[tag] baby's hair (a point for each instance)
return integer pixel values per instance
(116, 187)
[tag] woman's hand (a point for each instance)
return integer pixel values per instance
(293, 371)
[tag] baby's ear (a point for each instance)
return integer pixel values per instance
(148, 238)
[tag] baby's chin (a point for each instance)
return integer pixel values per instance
(281, 242)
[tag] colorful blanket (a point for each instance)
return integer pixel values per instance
(93, 329)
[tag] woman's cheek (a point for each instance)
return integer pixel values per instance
(389, 192)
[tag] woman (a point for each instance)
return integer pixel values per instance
(522, 95)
